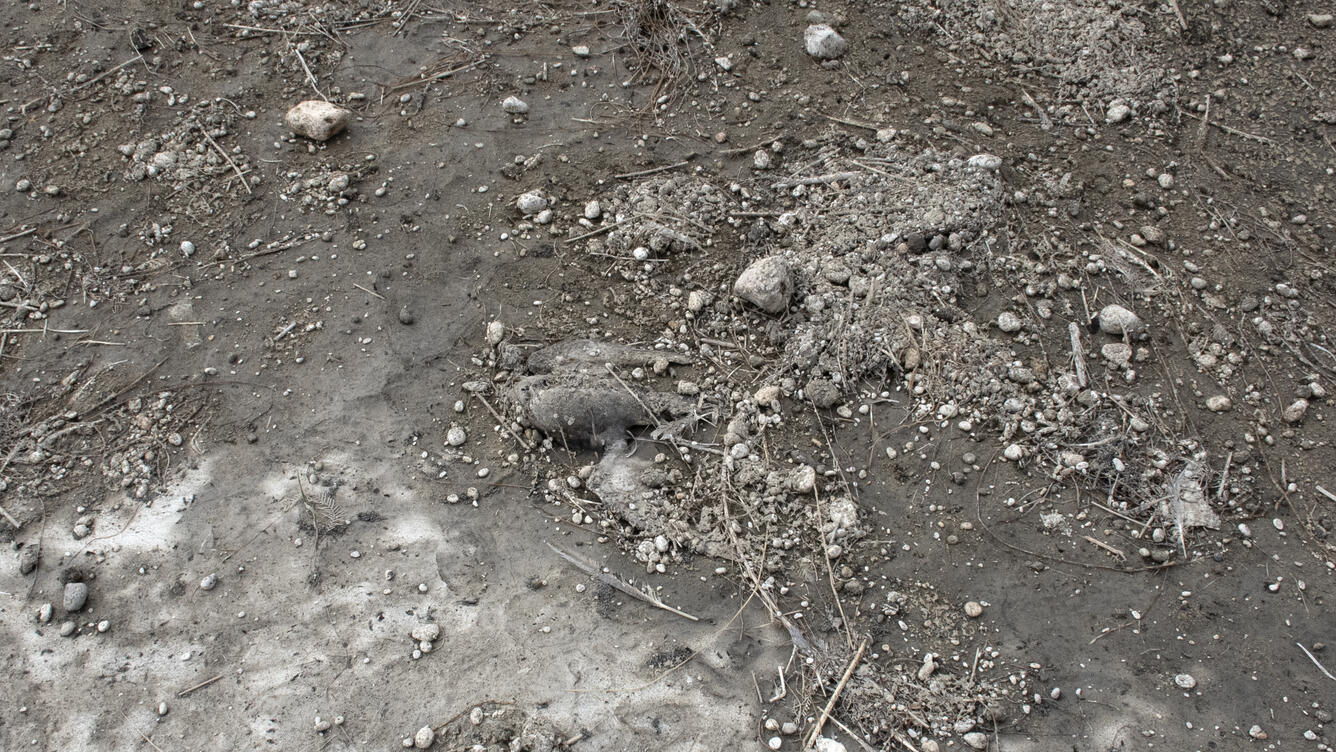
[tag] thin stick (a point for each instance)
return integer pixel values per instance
(1078, 353)
(819, 179)
(185, 323)
(854, 735)
(201, 685)
(372, 293)
(310, 77)
(851, 123)
(502, 422)
(1183, 22)
(18, 235)
(825, 713)
(106, 73)
(1237, 132)
(1112, 551)
(633, 394)
(10, 517)
(617, 583)
(651, 171)
(1325, 492)
(240, 175)
(1315, 661)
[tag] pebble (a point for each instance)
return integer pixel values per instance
(1185, 681)
(67, 628)
(23, 185)
(424, 737)
(317, 120)
(496, 331)
(593, 210)
(44, 613)
(1295, 411)
(824, 744)
(531, 202)
(775, 742)
(990, 162)
(580, 50)
(1013, 452)
(1256, 732)
(209, 582)
(973, 609)
(1219, 403)
(515, 106)
(429, 632)
(976, 740)
(823, 42)
(1117, 112)
(766, 283)
(76, 595)
(1008, 322)
(406, 316)
(1117, 320)
(456, 436)
(1321, 20)
(187, 248)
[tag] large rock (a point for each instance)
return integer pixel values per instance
(1116, 320)
(317, 120)
(76, 595)
(823, 42)
(766, 284)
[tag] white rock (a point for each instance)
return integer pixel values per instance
(976, 740)
(767, 394)
(187, 248)
(804, 479)
(761, 159)
(429, 632)
(1013, 452)
(1295, 411)
(456, 436)
(828, 745)
(1185, 681)
(580, 50)
(1117, 112)
(724, 63)
(531, 202)
(317, 119)
(515, 106)
(424, 737)
(1219, 403)
(593, 210)
(496, 331)
(823, 42)
(209, 582)
(986, 161)
(1008, 322)
(766, 283)
(974, 609)
(1114, 319)
(697, 300)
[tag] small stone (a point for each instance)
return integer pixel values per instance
(1295, 411)
(593, 210)
(724, 62)
(1256, 732)
(824, 744)
(976, 740)
(28, 558)
(803, 480)
(767, 395)
(580, 50)
(515, 106)
(496, 332)
(317, 120)
(429, 632)
(67, 628)
(476, 716)
(1152, 234)
(1321, 20)
(1219, 403)
(1118, 354)
(1185, 681)
(1117, 320)
(424, 737)
(322, 725)
(187, 248)
(456, 436)
(822, 393)
(406, 316)
(761, 159)
(775, 742)
(44, 613)
(23, 185)
(1166, 180)
(163, 709)
(990, 162)
(1117, 112)
(973, 609)
(209, 582)
(823, 42)
(530, 203)
(1013, 452)
(76, 595)
(1008, 322)
(766, 283)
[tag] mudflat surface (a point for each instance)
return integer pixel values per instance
(627, 375)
